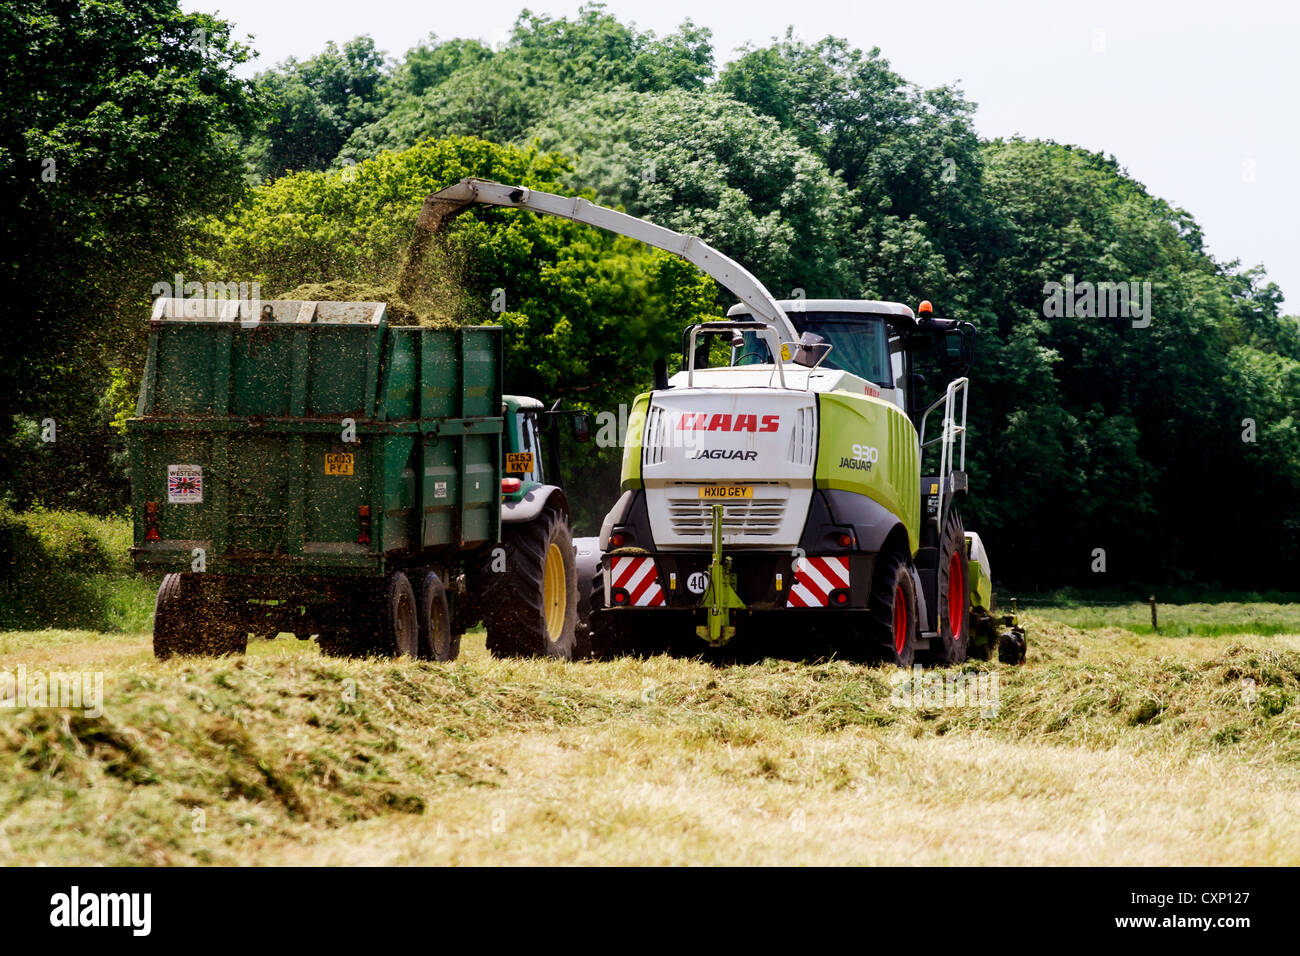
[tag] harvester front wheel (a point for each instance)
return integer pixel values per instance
(953, 641)
(891, 612)
(531, 608)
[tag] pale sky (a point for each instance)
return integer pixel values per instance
(1196, 100)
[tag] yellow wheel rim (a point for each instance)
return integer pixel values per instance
(554, 593)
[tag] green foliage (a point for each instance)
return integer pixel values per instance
(120, 399)
(704, 164)
(430, 63)
(119, 123)
(910, 156)
(67, 569)
(1108, 436)
(459, 89)
(312, 107)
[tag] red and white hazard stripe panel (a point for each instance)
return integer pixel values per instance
(815, 579)
(638, 578)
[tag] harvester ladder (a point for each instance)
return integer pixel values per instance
(950, 452)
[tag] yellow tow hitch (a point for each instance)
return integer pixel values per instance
(720, 596)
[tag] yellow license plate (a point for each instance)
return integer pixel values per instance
(338, 463)
(726, 491)
(520, 462)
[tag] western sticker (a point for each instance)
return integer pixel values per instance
(185, 484)
(440, 489)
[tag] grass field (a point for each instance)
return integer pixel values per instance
(1108, 747)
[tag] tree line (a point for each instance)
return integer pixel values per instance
(1168, 444)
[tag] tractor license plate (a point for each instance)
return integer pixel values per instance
(726, 491)
(519, 462)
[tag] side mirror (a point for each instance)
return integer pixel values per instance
(582, 427)
(810, 349)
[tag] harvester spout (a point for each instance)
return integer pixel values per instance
(448, 203)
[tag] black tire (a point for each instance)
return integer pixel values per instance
(613, 633)
(189, 620)
(952, 644)
(515, 609)
(983, 635)
(400, 618)
(893, 635)
(436, 639)
(342, 642)
(1012, 646)
(583, 647)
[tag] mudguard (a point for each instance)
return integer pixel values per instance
(531, 504)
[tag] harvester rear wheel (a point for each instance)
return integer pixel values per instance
(531, 608)
(953, 641)
(892, 619)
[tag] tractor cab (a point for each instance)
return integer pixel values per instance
(531, 450)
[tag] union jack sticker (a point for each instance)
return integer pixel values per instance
(185, 484)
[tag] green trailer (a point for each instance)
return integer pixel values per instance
(306, 467)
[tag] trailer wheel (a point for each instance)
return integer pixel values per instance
(401, 618)
(953, 641)
(531, 608)
(892, 613)
(436, 640)
(188, 620)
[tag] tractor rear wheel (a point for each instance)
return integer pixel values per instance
(531, 608)
(892, 625)
(953, 641)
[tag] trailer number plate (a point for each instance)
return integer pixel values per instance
(338, 463)
(726, 491)
(519, 462)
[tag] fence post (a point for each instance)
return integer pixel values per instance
(1155, 625)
